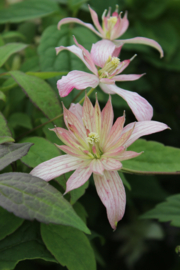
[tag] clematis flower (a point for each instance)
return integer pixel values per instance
(109, 66)
(93, 145)
(112, 28)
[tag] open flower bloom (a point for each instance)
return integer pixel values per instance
(94, 145)
(112, 28)
(104, 57)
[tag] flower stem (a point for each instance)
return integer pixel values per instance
(58, 116)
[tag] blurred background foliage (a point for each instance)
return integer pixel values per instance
(137, 244)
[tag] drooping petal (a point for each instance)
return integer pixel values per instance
(77, 110)
(76, 79)
(116, 131)
(130, 77)
(74, 20)
(107, 121)
(78, 178)
(94, 17)
(88, 115)
(128, 155)
(79, 53)
(139, 105)
(96, 166)
(141, 40)
(143, 128)
(111, 164)
(101, 51)
(57, 166)
(87, 58)
(120, 27)
(112, 194)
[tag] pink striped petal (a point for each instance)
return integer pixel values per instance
(78, 178)
(115, 151)
(96, 166)
(73, 152)
(122, 65)
(143, 128)
(88, 115)
(97, 117)
(74, 20)
(76, 79)
(130, 77)
(128, 155)
(107, 121)
(79, 53)
(77, 110)
(66, 137)
(112, 194)
(111, 164)
(119, 29)
(116, 131)
(101, 51)
(141, 40)
(139, 105)
(96, 21)
(107, 81)
(57, 166)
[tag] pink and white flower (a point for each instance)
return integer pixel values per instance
(109, 66)
(94, 145)
(112, 28)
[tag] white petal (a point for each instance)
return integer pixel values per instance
(112, 194)
(77, 110)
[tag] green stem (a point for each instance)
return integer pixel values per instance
(60, 115)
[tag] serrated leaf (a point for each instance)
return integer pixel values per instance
(27, 10)
(25, 243)
(20, 120)
(10, 152)
(41, 151)
(166, 211)
(69, 246)
(31, 198)
(7, 50)
(40, 93)
(156, 158)
(9, 223)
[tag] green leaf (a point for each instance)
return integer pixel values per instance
(78, 192)
(8, 84)
(9, 223)
(25, 243)
(5, 134)
(41, 151)
(166, 211)
(80, 210)
(20, 119)
(27, 10)
(156, 158)
(124, 180)
(10, 152)
(69, 246)
(31, 198)
(40, 93)
(13, 34)
(7, 50)
(2, 96)
(46, 75)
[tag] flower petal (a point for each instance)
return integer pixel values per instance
(72, 151)
(57, 166)
(130, 77)
(127, 155)
(120, 27)
(88, 115)
(96, 166)
(76, 79)
(78, 178)
(112, 194)
(66, 137)
(143, 128)
(139, 105)
(74, 20)
(96, 21)
(116, 131)
(77, 110)
(114, 152)
(101, 51)
(97, 117)
(79, 53)
(107, 121)
(111, 164)
(141, 40)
